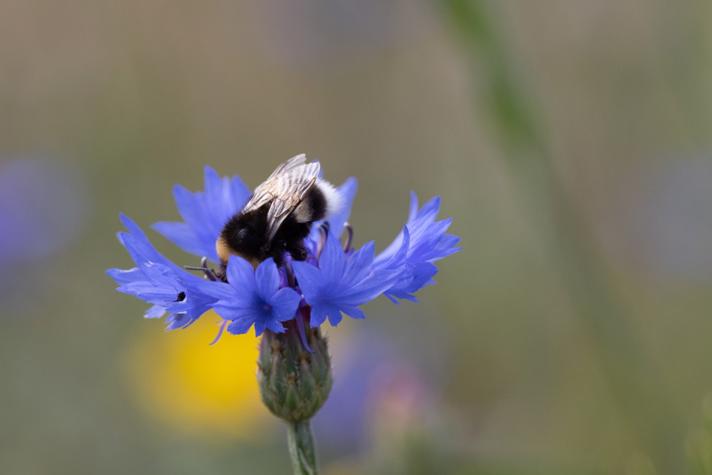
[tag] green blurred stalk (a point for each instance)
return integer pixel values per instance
(633, 380)
(301, 448)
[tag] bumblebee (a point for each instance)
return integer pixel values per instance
(280, 213)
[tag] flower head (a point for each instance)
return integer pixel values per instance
(427, 242)
(310, 277)
(342, 282)
(332, 281)
(254, 298)
(204, 213)
(158, 281)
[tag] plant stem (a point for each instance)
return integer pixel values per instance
(301, 448)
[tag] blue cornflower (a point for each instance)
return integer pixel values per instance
(427, 242)
(204, 213)
(342, 282)
(329, 279)
(156, 280)
(254, 297)
(333, 280)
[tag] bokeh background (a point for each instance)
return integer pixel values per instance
(569, 140)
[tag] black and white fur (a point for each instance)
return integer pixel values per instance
(280, 214)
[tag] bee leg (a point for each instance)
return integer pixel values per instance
(349, 237)
(323, 235)
(210, 274)
(297, 251)
(221, 275)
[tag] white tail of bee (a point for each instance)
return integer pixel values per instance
(334, 200)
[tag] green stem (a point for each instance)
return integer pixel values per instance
(301, 448)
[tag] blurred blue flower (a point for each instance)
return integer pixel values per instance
(158, 281)
(333, 280)
(663, 222)
(373, 386)
(254, 297)
(342, 282)
(41, 209)
(307, 33)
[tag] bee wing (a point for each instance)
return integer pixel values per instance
(288, 191)
(268, 190)
(293, 162)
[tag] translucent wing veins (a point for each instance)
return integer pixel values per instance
(283, 190)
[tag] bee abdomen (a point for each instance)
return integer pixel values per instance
(312, 208)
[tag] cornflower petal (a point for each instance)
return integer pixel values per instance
(267, 279)
(425, 241)
(239, 327)
(204, 213)
(156, 280)
(240, 275)
(284, 303)
(341, 282)
(253, 298)
(338, 220)
(156, 311)
(181, 235)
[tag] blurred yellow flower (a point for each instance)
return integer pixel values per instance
(197, 388)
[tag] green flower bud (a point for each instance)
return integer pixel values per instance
(294, 383)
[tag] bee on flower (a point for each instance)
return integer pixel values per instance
(274, 261)
(290, 226)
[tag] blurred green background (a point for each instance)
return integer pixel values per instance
(569, 140)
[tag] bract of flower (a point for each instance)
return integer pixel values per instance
(254, 297)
